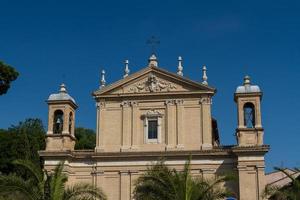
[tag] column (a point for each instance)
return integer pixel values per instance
(179, 123)
(170, 118)
(100, 126)
(125, 186)
(50, 120)
(206, 123)
(97, 124)
(126, 125)
(134, 125)
(65, 121)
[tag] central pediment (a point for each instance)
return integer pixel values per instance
(153, 80)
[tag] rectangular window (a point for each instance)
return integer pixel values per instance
(152, 128)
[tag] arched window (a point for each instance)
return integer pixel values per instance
(70, 122)
(249, 115)
(58, 122)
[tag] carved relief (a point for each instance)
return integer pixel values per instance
(205, 100)
(170, 102)
(151, 113)
(125, 104)
(100, 105)
(152, 84)
(179, 101)
(128, 103)
(133, 103)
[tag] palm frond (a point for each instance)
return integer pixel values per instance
(14, 184)
(57, 182)
(32, 168)
(83, 192)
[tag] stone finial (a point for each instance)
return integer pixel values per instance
(204, 76)
(103, 81)
(153, 61)
(126, 69)
(247, 80)
(63, 88)
(180, 67)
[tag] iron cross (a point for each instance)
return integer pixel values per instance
(153, 41)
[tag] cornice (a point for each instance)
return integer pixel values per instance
(223, 151)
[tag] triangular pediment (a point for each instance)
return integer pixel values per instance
(153, 80)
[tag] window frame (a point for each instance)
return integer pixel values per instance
(249, 117)
(152, 116)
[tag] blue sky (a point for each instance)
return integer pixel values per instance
(50, 42)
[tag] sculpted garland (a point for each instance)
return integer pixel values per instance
(152, 84)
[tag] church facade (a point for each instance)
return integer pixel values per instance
(152, 114)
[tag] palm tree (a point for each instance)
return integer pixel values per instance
(43, 186)
(162, 183)
(288, 192)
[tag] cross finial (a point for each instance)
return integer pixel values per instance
(153, 61)
(180, 67)
(153, 41)
(63, 88)
(204, 76)
(103, 81)
(247, 80)
(126, 70)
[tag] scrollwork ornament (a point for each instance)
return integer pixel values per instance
(152, 84)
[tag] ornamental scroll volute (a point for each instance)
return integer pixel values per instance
(152, 84)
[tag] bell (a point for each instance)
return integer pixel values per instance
(58, 121)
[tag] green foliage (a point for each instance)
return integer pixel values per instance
(21, 142)
(162, 183)
(288, 192)
(86, 138)
(43, 186)
(7, 75)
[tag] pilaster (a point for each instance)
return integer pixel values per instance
(170, 131)
(126, 126)
(179, 122)
(206, 123)
(134, 125)
(101, 118)
(125, 185)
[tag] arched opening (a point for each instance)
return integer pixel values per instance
(58, 122)
(249, 115)
(70, 122)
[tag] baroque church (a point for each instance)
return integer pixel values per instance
(151, 114)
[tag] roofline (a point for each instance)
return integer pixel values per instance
(145, 70)
(62, 101)
(260, 94)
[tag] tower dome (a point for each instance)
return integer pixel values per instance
(62, 95)
(247, 87)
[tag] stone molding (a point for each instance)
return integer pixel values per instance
(152, 84)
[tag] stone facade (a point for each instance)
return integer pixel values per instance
(152, 114)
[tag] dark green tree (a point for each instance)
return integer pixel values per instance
(86, 138)
(22, 141)
(7, 75)
(41, 185)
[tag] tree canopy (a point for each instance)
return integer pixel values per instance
(22, 141)
(86, 138)
(7, 75)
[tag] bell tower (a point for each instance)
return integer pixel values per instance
(249, 131)
(61, 121)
